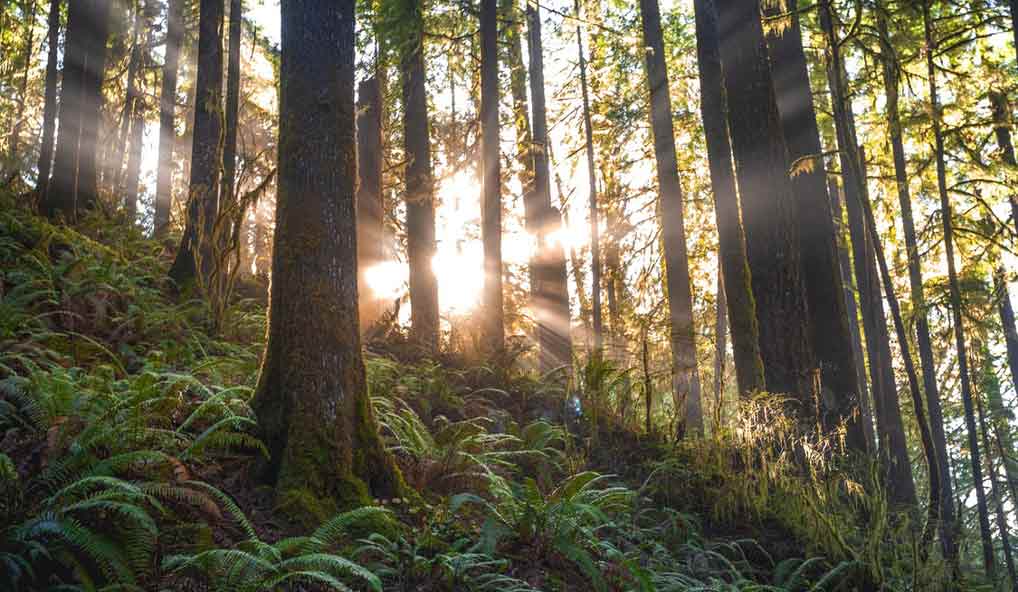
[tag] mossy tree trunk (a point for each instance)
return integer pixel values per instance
(686, 382)
(493, 324)
(206, 149)
(828, 319)
(232, 106)
(420, 183)
(370, 206)
(749, 373)
(74, 185)
(312, 401)
(768, 208)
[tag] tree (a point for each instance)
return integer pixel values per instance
(1001, 111)
(195, 251)
(74, 184)
(167, 114)
(312, 401)
(420, 184)
(370, 206)
(49, 117)
(890, 68)
(893, 451)
(113, 166)
(29, 8)
(493, 326)
(749, 372)
(138, 109)
(768, 207)
(595, 238)
(232, 102)
(686, 381)
(552, 296)
(829, 333)
(989, 561)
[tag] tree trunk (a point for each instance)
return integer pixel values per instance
(595, 238)
(167, 112)
(768, 208)
(232, 102)
(206, 150)
(74, 185)
(956, 312)
(990, 389)
(115, 164)
(420, 211)
(828, 320)
(493, 328)
(49, 116)
(370, 206)
(138, 119)
(312, 401)
(1001, 110)
(749, 372)
(852, 311)
(720, 334)
(893, 445)
(918, 298)
(552, 293)
(1002, 418)
(686, 382)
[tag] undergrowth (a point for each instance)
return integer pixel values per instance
(127, 439)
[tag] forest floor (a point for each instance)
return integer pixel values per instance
(126, 442)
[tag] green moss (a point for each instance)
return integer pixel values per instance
(303, 507)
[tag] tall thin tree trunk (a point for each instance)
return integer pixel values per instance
(956, 313)
(49, 113)
(918, 298)
(1001, 111)
(553, 294)
(893, 446)
(206, 150)
(167, 113)
(370, 206)
(686, 381)
(134, 155)
(720, 335)
(312, 400)
(852, 310)
(232, 102)
(828, 320)
(74, 184)
(595, 231)
(768, 207)
(990, 388)
(116, 162)
(749, 372)
(493, 331)
(420, 211)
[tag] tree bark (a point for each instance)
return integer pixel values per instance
(1001, 111)
(720, 336)
(49, 113)
(167, 113)
(74, 185)
(139, 107)
(370, 206)
(232, 102)
(893, 451)
(918, 298)
(686, 381)
(749, 372)
(595, 238)
(116, 162)
(768, 208)
(828, 320)
(852, 311)
(312, 401)
(989, 560)
(206, 150)
(552, 295)
(419, 183)
(493, 328)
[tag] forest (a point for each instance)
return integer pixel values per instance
(508, 295)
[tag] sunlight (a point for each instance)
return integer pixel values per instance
(387, 280)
